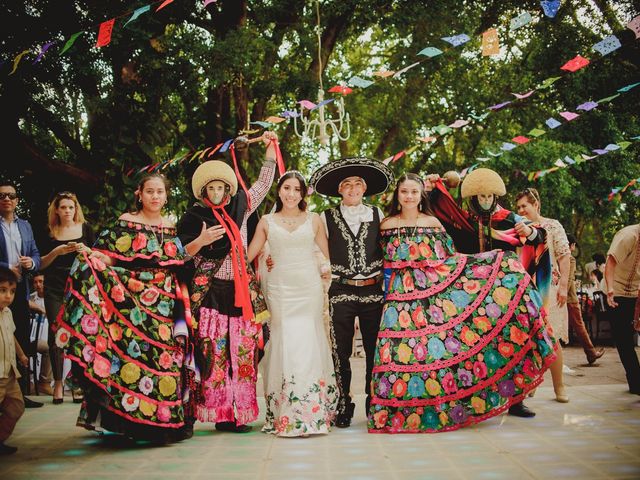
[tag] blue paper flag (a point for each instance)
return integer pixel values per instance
(290, 114)
(225, 146)
(508, 146)
(324, 102)
(137, 13)
(430, 52)
(626, 88)
(520, 21)
(611, 147)
(550, 7)
(552, 123)
(568, 160)
(457, 40)
(586, 106)
(607, 45)
(359, 82)
(257, 122)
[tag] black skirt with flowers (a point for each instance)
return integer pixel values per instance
(121, 326)
(462, 337)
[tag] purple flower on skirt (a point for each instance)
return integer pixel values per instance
(452, 344)
(493, 310)
(458, 414)
(384, 387)
(531, 308)
(506, 388)
(436, 314)
(465, 377)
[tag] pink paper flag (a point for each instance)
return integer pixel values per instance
(274, 119)
(490, 42)
(520, 139)
(164, 4)
(207, 2)
(575, 64)
(387, 160)
(634, 26)
(307, 104)
(398, 156)
(104, 34)
(523, 95)
(459, 123)
(568, 116)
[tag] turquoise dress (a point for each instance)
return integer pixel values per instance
(462, 337)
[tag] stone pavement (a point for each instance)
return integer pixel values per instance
(596, 435)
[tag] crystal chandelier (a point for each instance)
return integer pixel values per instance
(321, 127)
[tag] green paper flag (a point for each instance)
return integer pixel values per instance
(70, 42)
(624, 145)
(548, 82)
(608, 99)
(536, 132)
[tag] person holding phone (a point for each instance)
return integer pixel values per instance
(69, 234)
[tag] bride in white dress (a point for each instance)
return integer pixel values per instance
(299, 379)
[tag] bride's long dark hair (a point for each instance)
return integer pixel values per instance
(302, 205)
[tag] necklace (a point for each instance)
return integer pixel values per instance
(290, 221)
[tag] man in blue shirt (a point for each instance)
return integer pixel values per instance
(19, 253)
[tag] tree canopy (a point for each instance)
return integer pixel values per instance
(189, 76)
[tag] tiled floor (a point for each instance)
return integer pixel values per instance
(596, 435)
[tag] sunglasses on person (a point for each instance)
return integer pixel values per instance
(10, 196)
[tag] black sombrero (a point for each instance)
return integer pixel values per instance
(327, 178)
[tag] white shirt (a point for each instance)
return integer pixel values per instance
(7, 345)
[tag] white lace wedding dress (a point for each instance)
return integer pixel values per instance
(299, 379)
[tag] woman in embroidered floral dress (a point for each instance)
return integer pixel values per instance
(555, 302)
(461, 337)
(299, 380)
(124, 323)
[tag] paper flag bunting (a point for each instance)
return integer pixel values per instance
(16, 60)
(623, 145)
(164, 4)
(136, 13)
(457, 40)
(459, 123)
(430, 52)
(536, 132)
(520, 139)
(636, 193)
(387, 160)
(307, 104)
(520, 21)
(427, 139)
(552, 123)
(341, 89)
(70, 42)
(411, 150)
(548, 82)
(494, 154)
(483, 159)
(104, 33)
(520, 96)
(215, 149)
(568, 160)
(612, 147)
(398, 156)
(575, 64)
(607, 45)
(498, 106)
(490, 42)
(479, 118)
(262, 124)
(322, 103)
(600, 151)
(634, 26)
(405, 69)
(568, 116)
(507, 147)
(586, 106)
(608, 99)
(225, 146)
(383, 73)
(559, 163)
(587, 157)
(442, 129)
(626, 88)
(359, 82)
(43, 50)
(550, 7)
(274, 119)
(207, 2)
(290, 114)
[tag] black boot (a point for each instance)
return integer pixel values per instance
(232, 427)
(344, 419)
(7, 450)
(521, 410)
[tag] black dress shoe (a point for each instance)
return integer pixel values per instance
(232, 427)
(595, 356)
(343, 420)
(521, 410)
(28, 403)
(7, 450)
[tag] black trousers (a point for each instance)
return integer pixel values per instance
(346, 303)
(53, 301)
(622, 329)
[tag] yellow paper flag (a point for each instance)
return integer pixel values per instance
(16, 60)
(490, 42)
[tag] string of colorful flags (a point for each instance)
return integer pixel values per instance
(616, 192)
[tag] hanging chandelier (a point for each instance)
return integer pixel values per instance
(322, 127)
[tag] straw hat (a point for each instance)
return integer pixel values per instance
(210, 171)
(482, 181)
